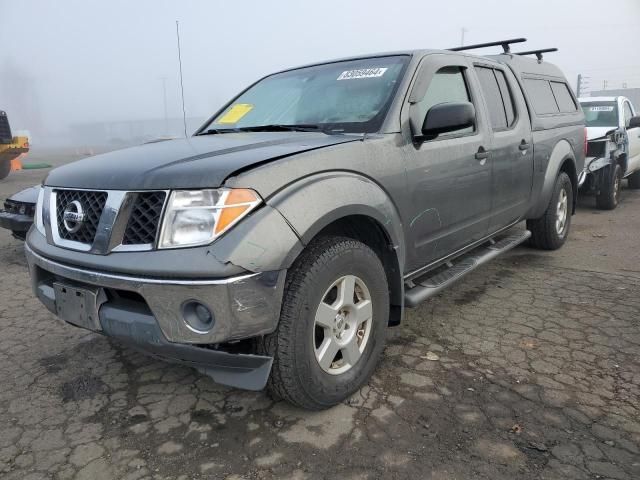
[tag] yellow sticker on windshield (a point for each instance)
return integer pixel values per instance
(235, 113)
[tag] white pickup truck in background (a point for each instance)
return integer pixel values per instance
(613, 152)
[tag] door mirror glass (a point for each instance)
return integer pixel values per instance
(634, 122)
(448, 117)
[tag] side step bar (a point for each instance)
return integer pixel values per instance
(433, 282)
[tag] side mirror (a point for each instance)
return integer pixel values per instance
(634, 122)
(448, 117)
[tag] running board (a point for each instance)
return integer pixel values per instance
(432, 283)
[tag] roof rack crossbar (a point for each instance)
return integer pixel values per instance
(537, 53)
(505, 44)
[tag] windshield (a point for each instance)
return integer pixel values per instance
(600, 114)
(349, 96)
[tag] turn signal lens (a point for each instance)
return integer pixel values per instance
(236, 204)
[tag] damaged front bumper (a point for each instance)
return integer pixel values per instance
(149, 313)
(593, 174)
(18, 223)
(602, 152)
(595, 164)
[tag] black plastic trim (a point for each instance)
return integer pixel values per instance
(15, 222)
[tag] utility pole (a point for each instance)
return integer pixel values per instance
(583, 85)
(604, 84)
(462, 32)
(164, 98)
(579, 86)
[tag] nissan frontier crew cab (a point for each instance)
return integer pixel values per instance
(276, 245)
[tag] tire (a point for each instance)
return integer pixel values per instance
(609, 195)
(318, 277)
(550, 231)
(5, 168)
(634, 180)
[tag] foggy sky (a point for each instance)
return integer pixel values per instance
(77, 61)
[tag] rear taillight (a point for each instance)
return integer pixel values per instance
(586, 143)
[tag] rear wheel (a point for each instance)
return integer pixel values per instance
(550, 231)
(5, 168)
(609, 195)
(634, 180)
(333, 324)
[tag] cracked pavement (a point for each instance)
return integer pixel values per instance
(528, 368)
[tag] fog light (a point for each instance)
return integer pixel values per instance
(197, 316)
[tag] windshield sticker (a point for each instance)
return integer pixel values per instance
(601, 109)
(235, 113)
(362, 73)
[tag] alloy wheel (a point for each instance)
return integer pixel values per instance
(562, 212)
(342, 325)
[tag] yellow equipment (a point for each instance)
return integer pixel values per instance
(11, 148)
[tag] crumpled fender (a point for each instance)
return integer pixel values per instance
(262, 242)
(598, 164)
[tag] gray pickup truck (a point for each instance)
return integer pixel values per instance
(276, 245)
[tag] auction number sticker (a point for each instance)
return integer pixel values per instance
(362, 73)
(235, 113)
(601, 109)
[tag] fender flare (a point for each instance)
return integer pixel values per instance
(314, 202)
(562, 152)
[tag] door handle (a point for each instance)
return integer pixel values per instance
(523, 145)
(482, 154)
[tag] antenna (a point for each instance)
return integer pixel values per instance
(505, 44)
(164, 101)
(184, 113)
(537, 53)
(462, 32)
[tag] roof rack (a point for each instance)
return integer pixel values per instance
(537, 53)
(504, 43)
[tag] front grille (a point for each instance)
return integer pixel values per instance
(596, 149)
(92, 205)
(144, 221)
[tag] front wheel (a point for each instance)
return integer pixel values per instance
(609, 195)
(332, 326)
(550, 231)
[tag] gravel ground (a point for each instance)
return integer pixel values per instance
(527, 369)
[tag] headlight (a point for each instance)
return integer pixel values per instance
(198, 217)
(598, 163)
(37, 216)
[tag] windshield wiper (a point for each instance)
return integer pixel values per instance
(275, 127)
(278, 127)
(215, 131)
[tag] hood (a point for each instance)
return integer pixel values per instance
(196, 162)
(598, 132)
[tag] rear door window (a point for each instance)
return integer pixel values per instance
(541, 96)
(563, 97)
(507, 98)
(492, 95)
